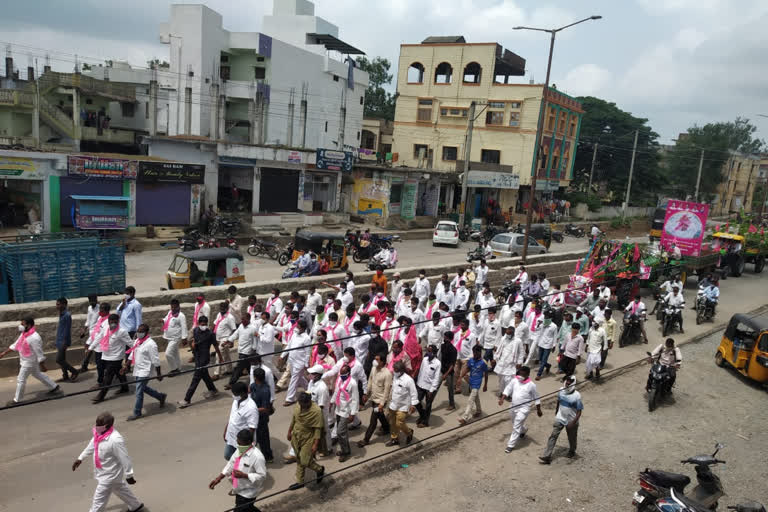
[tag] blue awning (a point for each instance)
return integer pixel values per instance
(101, 198)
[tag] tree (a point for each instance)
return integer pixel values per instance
(157, 64)
(613, 130)
(717, 140)
(378, 102)
(86, 66)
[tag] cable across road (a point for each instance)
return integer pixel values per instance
(462, 314)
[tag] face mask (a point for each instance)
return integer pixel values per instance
(345, 377)
(242, 448)
(127, 297)
(141, 334)
(430, 355)
(21, 328)
(203, 327)
(374, 364)
(398, 374)
(100, 429)
(345, 359)
(571, 388)
(421, 276)
(234, 396)
(547, 321)
(275, 295)
(113, 326)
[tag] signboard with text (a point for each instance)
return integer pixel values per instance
(96, 167)
(684, 225)
(490, 179)
(22, 168)
(334, 160)
(171, 172)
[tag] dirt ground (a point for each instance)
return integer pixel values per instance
(618, 437)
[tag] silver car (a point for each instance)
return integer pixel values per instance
(505, 245)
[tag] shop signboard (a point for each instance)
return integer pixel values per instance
(491, 179)
(102, 221)
(408, 199)
(294, 157)
(547, 185)
(334, 160)
(97, 167)
(171, 172)
(684, 225)
(18, 168)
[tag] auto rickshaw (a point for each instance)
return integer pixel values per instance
(205, 267)
(745, 347)
(330, 248)
(542, 233)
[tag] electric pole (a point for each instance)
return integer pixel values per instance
(629, 182)
(467, 152)
(698, 178)
(592, 169)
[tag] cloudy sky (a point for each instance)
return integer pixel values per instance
(676, 62)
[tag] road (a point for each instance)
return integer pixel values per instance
(177, 452)
(146, 270)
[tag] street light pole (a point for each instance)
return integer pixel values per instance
(540, 125)
(465, 176)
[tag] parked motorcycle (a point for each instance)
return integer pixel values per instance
(465, 233)
(659, 382)
(631, 331)
(478, 254)
(258, 247)
(678, 503)
(574, 231)
(290, 271)
(656, 487)
(191, 241)
(557, 236)
(227, 226)
(705, 308)
(673, 319)
(658, 308)
(285, 255)
(232, 243)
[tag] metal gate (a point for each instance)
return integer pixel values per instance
(84, 187)
(162, 204)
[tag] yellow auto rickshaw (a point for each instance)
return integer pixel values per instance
(205, 267)
(330, 248)
(745, 347)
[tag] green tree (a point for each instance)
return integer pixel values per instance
(717, 140)
(157, 64)
(613, 130)
(378, 102)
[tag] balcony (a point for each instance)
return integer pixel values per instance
(16, 98)
(88, 85)
(113, 135)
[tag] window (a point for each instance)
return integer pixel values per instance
(386, 148)
(416, 73)
(514, 119)
(563, 118)
(335, 78)
(362, 99)
(453, 112)
(128, 109)
(417, 148)
(555, 164)
(572, 130)
(472, 73)
(496, 104)
(514, 104)
(225, 58)
(146, 110)
(424, 111)
(259, 73)
(494, 118)
(450, 153)
(551, 122)
(224, 72)
(395, 193)
(443, 73)
(326, 127)
(490, 156)
(358, 135)
(369, 140)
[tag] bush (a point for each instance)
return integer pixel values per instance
(593, 202)
(619, 222)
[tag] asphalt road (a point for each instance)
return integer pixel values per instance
(177, 452)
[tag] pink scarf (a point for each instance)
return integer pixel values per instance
(342, 388)
(250, 309)
(461, 340)
(521, 381)
(104, 342)
(289, 334)
(413, 349)
(198, 307)
(332, 335)
(313, 360)
(132, 350)
(237, 467)
(97, 327)
(429, 311)
(97, 438)
(635, 305)
(535, 319)
(168, 320)
(348, 322)
(269, 304)
(22, 345)
(217, 322)
(386, 332)
(391, 364)
(327, 307)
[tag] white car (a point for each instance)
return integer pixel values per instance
(446, 232)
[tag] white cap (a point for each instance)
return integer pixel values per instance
(318, 368)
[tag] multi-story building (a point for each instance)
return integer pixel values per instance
(741, 174)
(438, 80)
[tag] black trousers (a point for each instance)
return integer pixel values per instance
(376, 416)
(112, 370)
(99, 368)
(200, 374)
(244, 504)
(426, 410)
(262, 436)
(86, 360)
(243, 363)
(61, 360)
(568, 365)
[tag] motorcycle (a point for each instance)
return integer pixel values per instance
(658, 308)
(574, 231)
(191, 241)
(379, 259)
(677, 503)
(291, 271)
(490, 232)
(631, 331)
(478, 254)
(705, 308)
(557, 236)
(229, 227)
(285, 255)
(659, 382)
(658, 486)
(509, 288)
(258, 247)
(232, 243)
(673, 319)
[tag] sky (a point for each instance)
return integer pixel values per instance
(674, 62)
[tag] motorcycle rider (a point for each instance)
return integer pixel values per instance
(712, 294)
(637, 308)
(676, 299)
(521, 277)
(667, 285)
(487, 251)
(670, 357)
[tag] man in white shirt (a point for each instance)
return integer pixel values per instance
(421, 289)
(544, 283)
(320, 394)
(605, 293)
(598, 314)
(675, 298)
(415, 314)
(402, 402)
(490, 335)
(143, 357)
(485, 299)
(427, 384)
(432, 332)
(112, 469)
(481, 275)
(114, 342)
(637, 308)
(236, 303)
(314, 299)
(29, 345)
(346, 398)
(223, 327)
(344, 295)
(266, 344)
(91, 317)
(175, 332)
(510, 354)
(248, 470)
(442, 288)
(244, 414)
(359, 341)
(547, 339)
(395, 287)
(463, 341)
(247, 337)
(274, 304)
(556, 298)
(522, 276)
(461, 303)
(595, 344)
(522, 391)
(297, 353)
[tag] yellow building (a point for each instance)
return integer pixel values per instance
(741, 174)
(437, 81)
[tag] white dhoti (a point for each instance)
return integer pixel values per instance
(593, 361)
(504, 381)
(297, 380)
(121, 490)
(21, 380)
(172, 356)
(518, 415)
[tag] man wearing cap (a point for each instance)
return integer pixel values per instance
(395, 287)
(318, 390)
